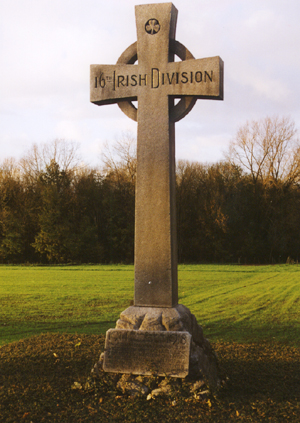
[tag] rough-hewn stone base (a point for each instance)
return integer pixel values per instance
(202, 361)
(141, 352)
(146, 386)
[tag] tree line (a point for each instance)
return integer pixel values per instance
(244, 209)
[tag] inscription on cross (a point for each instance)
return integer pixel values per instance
(155, 82)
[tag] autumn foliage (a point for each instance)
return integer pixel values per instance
(245, 209)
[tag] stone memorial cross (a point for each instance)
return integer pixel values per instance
(155, 82)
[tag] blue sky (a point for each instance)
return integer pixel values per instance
(47, 46)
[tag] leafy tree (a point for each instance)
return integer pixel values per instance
(89, 217)
(244, 209)
(12, 225)
(202, 224)
(117, 234)
(118, 199)
(55, 238)
(189, 181)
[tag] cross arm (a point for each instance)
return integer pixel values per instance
(113, 83)
(201, 78)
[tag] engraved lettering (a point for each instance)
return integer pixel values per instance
(154, 80)
(198, 76)
(157, 79)
(101, 81)
(170, 80)
(184, 78)
(134, 79)
(142, 79)
(206, 74)
(121, 79)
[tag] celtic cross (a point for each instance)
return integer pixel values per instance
(155, 81)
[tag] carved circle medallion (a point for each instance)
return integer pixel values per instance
(152, 26)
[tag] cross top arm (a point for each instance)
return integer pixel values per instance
(156, 72)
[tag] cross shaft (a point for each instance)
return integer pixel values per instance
(155, 81)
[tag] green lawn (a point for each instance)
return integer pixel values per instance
(232, 303)
(238, 306)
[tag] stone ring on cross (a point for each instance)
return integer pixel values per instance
(156, 81)
(184, 106)
(155, 334)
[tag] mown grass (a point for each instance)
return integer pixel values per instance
(244, 303)
(232, 303)
(73, 299)
(251, 314)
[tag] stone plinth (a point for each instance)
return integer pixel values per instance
(168, 334)
(147, 352)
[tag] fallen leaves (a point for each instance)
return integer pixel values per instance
(78, 343)
(40, 388)
(76, 385)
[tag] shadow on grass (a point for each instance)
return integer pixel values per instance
(36, 376)
(242, 331)
(13, 332)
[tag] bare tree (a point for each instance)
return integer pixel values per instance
(268, 149)
(120, 158)
(38, 157)
(9, 168)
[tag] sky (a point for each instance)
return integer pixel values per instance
(47, 46)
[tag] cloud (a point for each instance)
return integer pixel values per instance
(46, 47)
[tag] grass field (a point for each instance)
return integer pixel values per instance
(251, 315)
(232, 303)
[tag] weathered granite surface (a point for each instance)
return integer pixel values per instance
(143, 352)
(203, 363)
(156, 80)
(147, 386)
